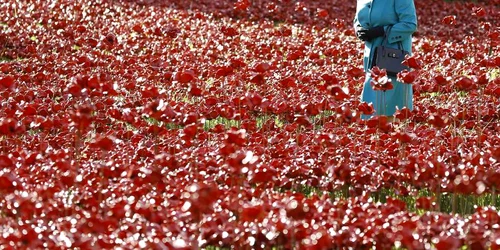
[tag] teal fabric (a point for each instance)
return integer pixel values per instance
(402, 15)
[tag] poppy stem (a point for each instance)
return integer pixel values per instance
(323, 116)
(464, 203)
(345, 190)
(478, 120)
(155, 137)
(240, 116)
(376, 195)
(454, 203)
(493, 195)
(438, 193)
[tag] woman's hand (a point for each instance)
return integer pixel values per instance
(369, 34)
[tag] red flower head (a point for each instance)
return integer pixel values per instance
(380, 81)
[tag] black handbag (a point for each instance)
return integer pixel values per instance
(389, 59)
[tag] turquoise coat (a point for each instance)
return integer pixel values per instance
(402, 15)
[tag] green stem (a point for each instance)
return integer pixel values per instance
(345, 191)
(438, 196)
(493, 196)
(454, 203)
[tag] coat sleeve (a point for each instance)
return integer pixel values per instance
(407, 24)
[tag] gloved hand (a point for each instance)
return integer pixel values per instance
(369, 34)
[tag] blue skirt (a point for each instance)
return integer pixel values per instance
(386, 102)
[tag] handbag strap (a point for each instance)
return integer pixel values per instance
(386, 37)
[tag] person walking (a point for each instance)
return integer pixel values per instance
(372, 20)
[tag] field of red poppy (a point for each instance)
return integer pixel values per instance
(234, 124)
